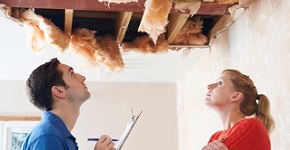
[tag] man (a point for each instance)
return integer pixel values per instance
(59, 91)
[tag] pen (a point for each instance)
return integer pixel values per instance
(96, 139)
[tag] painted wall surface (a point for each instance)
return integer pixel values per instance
(108, 111)
(14, 100)
(257, 44)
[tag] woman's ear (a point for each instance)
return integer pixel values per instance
(237, 96)
(58, 91)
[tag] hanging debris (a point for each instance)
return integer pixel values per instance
(144, 44)
(96, 51)
(155, 17)
(191, 33)
(44, 28)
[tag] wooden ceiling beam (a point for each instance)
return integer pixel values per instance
(122, 23)
(68, 21)
(223, 23)
(176, 22)
(206, 8)
(94, 14)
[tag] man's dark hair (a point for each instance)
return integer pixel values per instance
(40, 82)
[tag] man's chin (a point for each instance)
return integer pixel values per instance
(88, 96)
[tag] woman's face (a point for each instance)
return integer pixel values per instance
(220, 93)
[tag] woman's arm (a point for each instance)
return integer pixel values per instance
(215, 145)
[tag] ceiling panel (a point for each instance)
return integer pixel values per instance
(17, 61)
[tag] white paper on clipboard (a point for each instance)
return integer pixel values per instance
(128, 130)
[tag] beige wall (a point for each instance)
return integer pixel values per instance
(14, 100)
(108, 111)
(258, 45)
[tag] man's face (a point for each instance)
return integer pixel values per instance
(77, 90)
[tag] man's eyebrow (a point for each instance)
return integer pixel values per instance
(70, 69)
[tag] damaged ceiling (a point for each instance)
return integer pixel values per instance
(121, 20)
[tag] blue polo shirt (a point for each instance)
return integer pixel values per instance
(50, 134)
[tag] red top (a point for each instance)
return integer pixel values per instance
(247, 134)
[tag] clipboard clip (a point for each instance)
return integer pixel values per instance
(135, 117)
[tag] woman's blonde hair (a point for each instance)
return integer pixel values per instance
(253, 103)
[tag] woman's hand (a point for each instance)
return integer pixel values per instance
(105, 143)
(215, 145)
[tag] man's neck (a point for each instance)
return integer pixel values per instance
(69, 115)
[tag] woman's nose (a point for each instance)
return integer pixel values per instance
(208, 87)
(211, 86)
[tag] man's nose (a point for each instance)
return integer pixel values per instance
(83, 78)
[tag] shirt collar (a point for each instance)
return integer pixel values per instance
(58, 122)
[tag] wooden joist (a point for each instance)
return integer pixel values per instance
(176, 22)
(68, 21)
(122, 23)
(223, 23)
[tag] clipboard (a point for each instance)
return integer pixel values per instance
(128, 130)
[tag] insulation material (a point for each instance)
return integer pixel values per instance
(144, 44)
(118, 1)
(8, 13)
(191, 33)
(155, 18)
(35, 36)
(51, 33)
(83, 45)
(184, 7)
(90, 51)
(110, 54)
(4, 11)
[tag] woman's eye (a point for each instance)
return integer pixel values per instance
(219, 82)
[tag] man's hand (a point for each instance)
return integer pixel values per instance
(105, 143)
(215, 145)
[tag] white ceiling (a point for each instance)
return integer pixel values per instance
(17, 61)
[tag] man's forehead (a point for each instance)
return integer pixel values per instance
(64, 67)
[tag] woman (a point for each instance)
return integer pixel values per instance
(245, 114)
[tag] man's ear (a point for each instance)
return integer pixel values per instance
(236, 96)
(58, 91)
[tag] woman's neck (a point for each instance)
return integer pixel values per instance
(230, 118)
